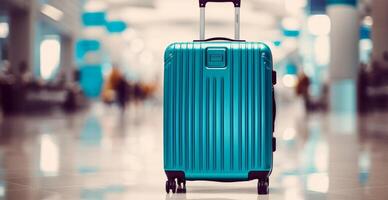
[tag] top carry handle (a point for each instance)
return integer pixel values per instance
(237, 4)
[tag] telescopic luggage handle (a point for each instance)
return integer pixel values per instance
(202, 3)
(237, 4)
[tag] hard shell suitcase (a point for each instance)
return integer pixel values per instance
(219, 110)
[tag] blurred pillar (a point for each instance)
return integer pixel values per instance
(67, 57)
(1, 51)
(380, 31)
(344, 54)
(21, 37)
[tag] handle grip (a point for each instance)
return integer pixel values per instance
(219, 38)
(237, 3)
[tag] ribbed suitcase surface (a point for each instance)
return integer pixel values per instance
(218, 109)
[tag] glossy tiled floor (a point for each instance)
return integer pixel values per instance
(100, 154)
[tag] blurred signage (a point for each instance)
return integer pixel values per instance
(277, 43)
(85, 46)
(116, 26)
(291, 68)
(93, 57)
(291, 33)
(317, 6)
(94, 18)
(91, 19)
(91, 80)
(291, 26)
(346, 2)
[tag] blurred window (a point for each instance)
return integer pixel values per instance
(50, 56)
(4, 29)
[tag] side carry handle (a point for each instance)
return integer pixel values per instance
(237, 4)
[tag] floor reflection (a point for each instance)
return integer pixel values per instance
(49, 155)
(102, 153)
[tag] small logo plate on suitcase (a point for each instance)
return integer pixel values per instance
(216, 57)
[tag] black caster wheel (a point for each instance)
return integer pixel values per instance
(173, 186)
(263, 186)
(181, 186)
(167, 187)
(181, 190)
(170, 185)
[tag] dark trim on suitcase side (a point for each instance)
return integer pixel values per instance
(175, 174)
(252, 175)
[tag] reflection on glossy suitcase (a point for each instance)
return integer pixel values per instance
(219, 110)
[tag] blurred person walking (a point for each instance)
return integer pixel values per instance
(122, 92)
(362, 84)
(109, 93)
(25, 76)
(302, 89)
(116, 89)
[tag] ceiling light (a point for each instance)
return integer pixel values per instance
(52, 12)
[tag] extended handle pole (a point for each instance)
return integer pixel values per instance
(237, 23)
(202, 23)
(236, 19)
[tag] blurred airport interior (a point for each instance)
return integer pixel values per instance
(81, 87)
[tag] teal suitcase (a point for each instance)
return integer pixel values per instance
(219, 111)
